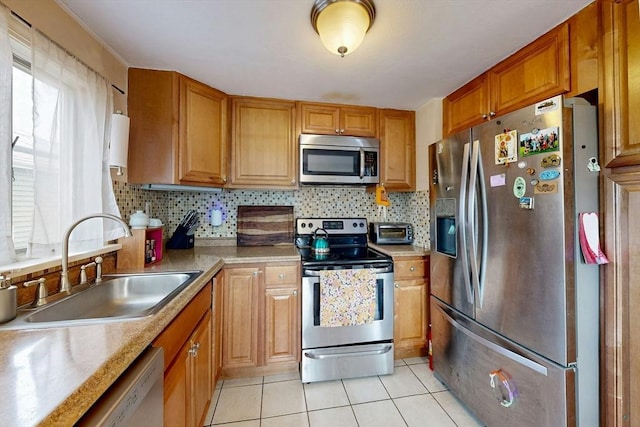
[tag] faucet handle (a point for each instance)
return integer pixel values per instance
(98, 260)
(41, 291)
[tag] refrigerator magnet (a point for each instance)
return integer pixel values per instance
(541, 141)
(545, 188)
(526, 203)
(519, 187)
(506, 147)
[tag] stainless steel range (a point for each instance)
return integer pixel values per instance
(347, 301)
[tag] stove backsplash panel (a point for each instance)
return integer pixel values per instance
(313, 201)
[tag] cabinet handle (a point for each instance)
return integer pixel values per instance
(255, 273)
(395, 285)
(224, 179)
(281, 275)
(193, 351)
(295, 292)
(412, 268)
(492, 114)
(338, 131)
(484, 116)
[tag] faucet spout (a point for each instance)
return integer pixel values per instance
(65, 285)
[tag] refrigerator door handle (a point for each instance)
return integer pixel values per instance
(463, 223)
(484, 251)
(472, 221)
(518, 358)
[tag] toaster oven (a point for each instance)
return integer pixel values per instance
(391, 233)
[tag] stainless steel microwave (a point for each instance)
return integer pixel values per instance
(328, 159)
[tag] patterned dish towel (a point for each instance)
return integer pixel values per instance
(347, 297)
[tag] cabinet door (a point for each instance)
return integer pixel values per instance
(583, 40)
(201, 375)
(466, 107)
(177, 390)
(240, 317)
(538, 71)
(620, 85)
(397, 141)
(203, 133)
(263, 144)
(217, 326)
(410, 314)
(319, 119)
(282, 324)
(358, 121)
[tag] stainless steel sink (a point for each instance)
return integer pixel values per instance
(117, 297)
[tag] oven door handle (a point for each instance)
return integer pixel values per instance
(383, 350)
(316, 273)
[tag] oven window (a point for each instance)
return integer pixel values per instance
(393, 233)
(379, 315)
(331, 162)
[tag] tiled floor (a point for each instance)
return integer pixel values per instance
(410, 397)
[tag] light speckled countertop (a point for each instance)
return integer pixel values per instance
(53, 376)
(401, 250)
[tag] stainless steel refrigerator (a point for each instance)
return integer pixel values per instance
(514, 307)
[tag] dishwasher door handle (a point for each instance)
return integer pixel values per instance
(383, 350)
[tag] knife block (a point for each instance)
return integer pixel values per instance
(180, 239)
(133, 252)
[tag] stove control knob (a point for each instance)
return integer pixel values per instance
(362, 225)
(355, 225)
(310, 225)
(303, 225)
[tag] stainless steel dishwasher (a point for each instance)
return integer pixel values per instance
(136, 398)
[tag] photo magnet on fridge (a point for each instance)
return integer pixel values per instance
(540, 141)
(506, 148)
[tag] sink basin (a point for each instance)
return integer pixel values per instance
(117, 297)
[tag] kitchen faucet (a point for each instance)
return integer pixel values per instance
(65, 285)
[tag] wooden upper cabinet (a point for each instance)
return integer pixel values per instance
(583, 41)
(397, 148)
(467, 106)
(334, 119)
(263, 143)
(178, 130)
(536, 72)
(620, 84)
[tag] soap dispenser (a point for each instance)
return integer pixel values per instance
(8, 300)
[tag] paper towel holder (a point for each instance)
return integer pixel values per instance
(119, 141)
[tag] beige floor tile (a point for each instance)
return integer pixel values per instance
(282, 377)
(416, 409)
(208, 419)
(402, 383)
(416, 360)
(238, 404)
(362, 390)
(293, 420)
(378, 414)
(283, 398)
(425, 375)
(241, 382)
(399, 362)
(252, 423)
(325, 394)
(456, 410)
(333, 417)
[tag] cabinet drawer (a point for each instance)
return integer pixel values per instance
(409, 268)
(276, 275)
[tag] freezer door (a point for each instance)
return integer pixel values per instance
(528, 289)
(500, 382)
(448, 269)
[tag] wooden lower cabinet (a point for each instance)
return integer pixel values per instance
(411, 306)
(261, 319)
(188, 377)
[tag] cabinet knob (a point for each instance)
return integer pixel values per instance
(295, 292)
(281, 275)
(395, 285)
(412, 268)
(338, 131)
(492, 114)
(224, 179)
(484, 116)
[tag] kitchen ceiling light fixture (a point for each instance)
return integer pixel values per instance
(342, 24)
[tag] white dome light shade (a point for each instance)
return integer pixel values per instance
(342, 24)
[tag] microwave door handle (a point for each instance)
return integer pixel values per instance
(361, 163)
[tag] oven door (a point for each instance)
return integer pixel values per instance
(316, 336)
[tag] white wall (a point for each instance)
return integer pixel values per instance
(428, 131)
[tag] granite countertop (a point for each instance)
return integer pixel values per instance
(52, 376)
(401, 250)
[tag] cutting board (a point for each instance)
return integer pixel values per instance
(265, 225)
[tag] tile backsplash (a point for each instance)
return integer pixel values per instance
(312, 201)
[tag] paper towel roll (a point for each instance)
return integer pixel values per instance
(119, 145)
(216, 218)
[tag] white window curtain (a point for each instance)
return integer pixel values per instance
(7, 252)
(72, 110)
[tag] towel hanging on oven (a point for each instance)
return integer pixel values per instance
(347, 297)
